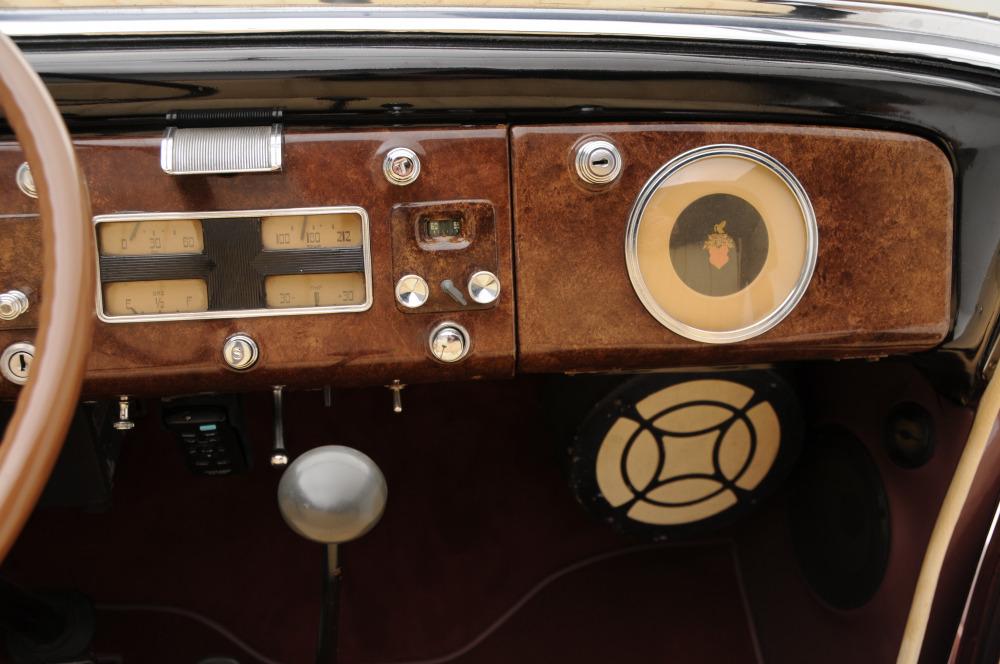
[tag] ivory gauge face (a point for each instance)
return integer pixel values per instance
(317, 231)
(149, 237)
(721, 244)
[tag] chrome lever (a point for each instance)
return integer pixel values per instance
(279, 455)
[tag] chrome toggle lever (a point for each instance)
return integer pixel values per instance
(396, 387)
(279, 455)
(123, 423)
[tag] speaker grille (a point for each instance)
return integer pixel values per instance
(666, 453)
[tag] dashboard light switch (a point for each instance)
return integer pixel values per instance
(448, 286)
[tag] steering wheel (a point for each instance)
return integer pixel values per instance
(46, 404)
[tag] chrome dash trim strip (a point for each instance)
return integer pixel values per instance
(859, 26)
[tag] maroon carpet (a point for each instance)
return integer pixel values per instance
(478, 515)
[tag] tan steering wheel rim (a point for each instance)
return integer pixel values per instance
(45, 407)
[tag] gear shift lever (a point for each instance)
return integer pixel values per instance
(331, 495)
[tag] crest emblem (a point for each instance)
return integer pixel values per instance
(718, 245)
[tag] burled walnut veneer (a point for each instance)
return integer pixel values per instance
(882, 285)
(320, 169)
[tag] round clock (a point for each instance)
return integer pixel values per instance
(721, 243)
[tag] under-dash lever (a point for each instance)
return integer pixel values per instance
(279, 455)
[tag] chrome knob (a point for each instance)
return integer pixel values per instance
(240, 352)
(412, 291)
(484, 287)
(401, 166)
(25, 181)
(13, 303)
(449, 342)
(598, 162)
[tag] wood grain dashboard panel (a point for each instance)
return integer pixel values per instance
(320, 169)
(882, 284)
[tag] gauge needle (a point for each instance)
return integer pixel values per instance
(135, 230)
(305, 220)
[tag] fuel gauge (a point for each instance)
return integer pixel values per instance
(167, 296)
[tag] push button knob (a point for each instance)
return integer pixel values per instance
(484, 287)
(13, 303)
(412, 291)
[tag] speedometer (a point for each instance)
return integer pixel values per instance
(148, 237)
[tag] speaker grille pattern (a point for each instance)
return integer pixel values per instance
(687, 452)
(673, 452)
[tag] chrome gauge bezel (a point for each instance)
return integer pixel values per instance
(777, 314)
(238, 313)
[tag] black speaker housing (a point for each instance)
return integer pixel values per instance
(621, 402)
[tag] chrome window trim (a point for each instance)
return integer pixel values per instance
(773, 317)
(914, 31)
(237, 313)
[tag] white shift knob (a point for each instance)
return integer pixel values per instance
(332, 494)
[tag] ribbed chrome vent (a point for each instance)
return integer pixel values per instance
(221, 150)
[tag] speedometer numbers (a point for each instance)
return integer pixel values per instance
(150, 237)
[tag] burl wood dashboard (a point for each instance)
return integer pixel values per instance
(875, 255)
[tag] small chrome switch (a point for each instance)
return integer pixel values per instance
(484, 287)
(449, 342)
(13, 303)
(448, 286)
(401, 166)
(412, 291)
(396, 387)
(124, 421)
(240, 352)
(15, 362)
(598, 162)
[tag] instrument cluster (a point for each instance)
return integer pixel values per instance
(232, 264)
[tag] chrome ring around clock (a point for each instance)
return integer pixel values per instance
(777, 314)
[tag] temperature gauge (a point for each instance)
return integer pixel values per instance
(311, 231)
